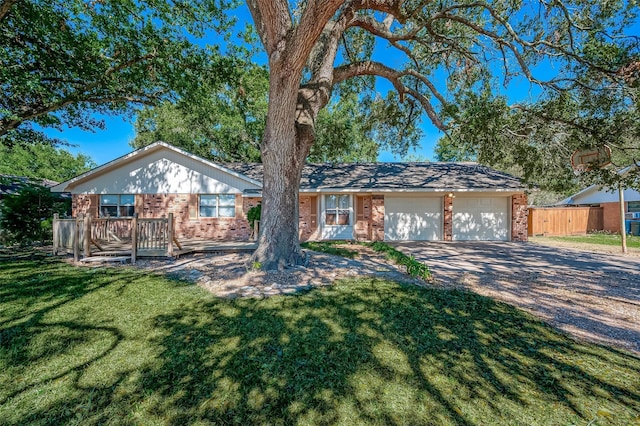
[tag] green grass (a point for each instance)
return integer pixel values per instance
(119, 346)
(603, 239)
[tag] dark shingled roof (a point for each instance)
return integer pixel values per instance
(10, 184)
(442, 176)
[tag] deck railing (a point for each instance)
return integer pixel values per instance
(140, 236)
(111, 228)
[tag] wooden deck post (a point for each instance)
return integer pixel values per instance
(87, 235)
(170, 235)
(56, 233)
(76, 239)
(134, 238)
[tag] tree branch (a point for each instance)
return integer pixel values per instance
(346, 72)
(272, 20)
(5, 6)
(8, 124)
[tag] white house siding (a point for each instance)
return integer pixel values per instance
(163, 172)
(481, 218)
(412, 218)
(603, 195)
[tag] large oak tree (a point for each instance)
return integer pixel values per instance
(433, 51)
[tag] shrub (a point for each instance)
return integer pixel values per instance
(414, 268)
(254, 214)
(26, 216)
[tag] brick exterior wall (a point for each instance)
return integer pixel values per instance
(447, 204)
(611, 216)
(519, 217)
(369, 216)
(188, 224)
(308, 218)
(363, 218)
(85, 203)
(377, 218)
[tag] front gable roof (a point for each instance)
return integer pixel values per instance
(149, 153)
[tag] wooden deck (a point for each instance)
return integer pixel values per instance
(208, 246)
(123, 248)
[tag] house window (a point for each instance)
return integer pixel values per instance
(337, 209)
(633, 206)
(114, 205)
(218, 205)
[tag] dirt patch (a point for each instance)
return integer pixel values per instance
(226, 275)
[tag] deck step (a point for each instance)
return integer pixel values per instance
(112, 253)
(107, 259)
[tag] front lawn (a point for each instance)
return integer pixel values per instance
(120, 346)
(601, 239)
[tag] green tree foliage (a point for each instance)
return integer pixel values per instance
(226, 123)
(42, 161)
(25, 217)
(536, 140)
(63, 60)
(221, 122)
(448, 150)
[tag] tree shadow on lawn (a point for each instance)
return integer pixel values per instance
(383, 354)
(362, 351)
(34, 333)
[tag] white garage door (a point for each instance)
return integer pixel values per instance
(482, 219)
(412, 218)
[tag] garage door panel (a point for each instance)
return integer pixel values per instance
(481, 219)
(413, 218)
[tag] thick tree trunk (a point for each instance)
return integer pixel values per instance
(291, 119)
(283, 157)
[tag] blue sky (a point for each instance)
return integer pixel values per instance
(112, 142)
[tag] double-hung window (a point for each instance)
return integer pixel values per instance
(633, 206)
(218, 205)
(114, 205)
(337, 209)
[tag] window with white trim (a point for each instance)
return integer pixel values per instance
(633, 206)
(218, 205)
(337, 210)
(117, 205)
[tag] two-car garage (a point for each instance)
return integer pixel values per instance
(421, 218)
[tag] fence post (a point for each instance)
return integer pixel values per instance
(170, 235)
(87, 235)
(56, 232)
(76, 239)
(134, 238)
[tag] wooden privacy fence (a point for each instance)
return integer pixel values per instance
(135, 236)
(549, 221)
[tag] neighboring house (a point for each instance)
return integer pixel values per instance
(10, 184)
(597, 195)
(376, 201)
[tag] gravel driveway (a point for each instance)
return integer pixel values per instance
(592, 296)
